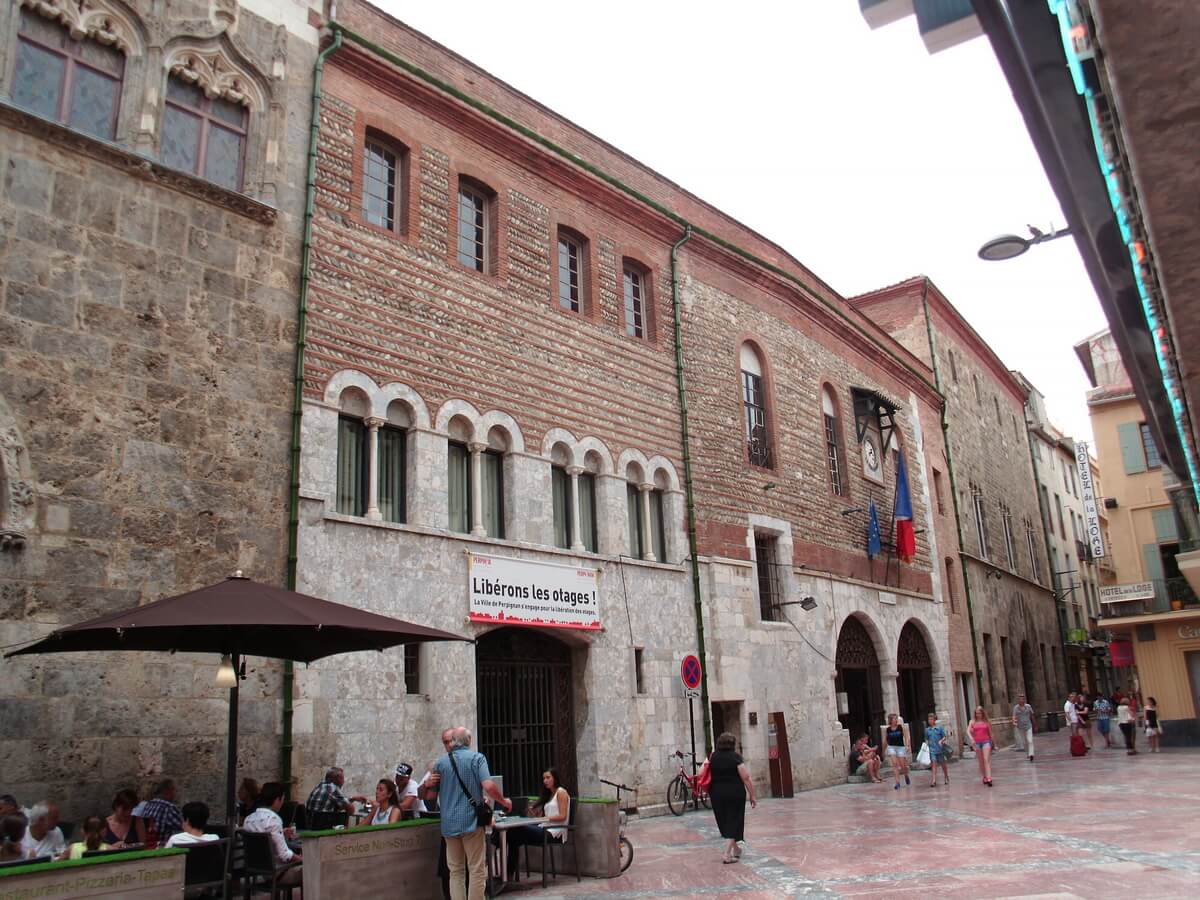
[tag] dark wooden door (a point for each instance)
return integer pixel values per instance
(914, 683)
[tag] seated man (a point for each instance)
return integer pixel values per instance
(864, 759)
(411, 804)
(265, 820)
(163, 818)
(195, 820)
(43, 837)
(327, 797)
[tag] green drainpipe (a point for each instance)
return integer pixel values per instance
(937, 379)
(310, 191)
(689, 491)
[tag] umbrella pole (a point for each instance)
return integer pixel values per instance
(231, 771)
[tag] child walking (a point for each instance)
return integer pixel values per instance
(935, 737)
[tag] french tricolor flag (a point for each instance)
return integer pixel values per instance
(906, 538)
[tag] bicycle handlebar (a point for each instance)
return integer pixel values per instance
(680, 755)
(614, 784)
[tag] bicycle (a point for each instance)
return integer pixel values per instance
(624, 847)
(684, 788)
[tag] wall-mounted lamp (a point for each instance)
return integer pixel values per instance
(994, 573)
(226, 676)
(808, 603)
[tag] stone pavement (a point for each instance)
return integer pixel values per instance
(1104, 825)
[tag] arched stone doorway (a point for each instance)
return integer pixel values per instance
(526, 709)
(858, 677)
(914, 681)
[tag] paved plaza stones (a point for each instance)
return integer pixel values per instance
(1104, 825)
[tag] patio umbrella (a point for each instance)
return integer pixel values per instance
(237, 618)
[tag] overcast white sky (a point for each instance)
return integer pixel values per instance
(867, 158)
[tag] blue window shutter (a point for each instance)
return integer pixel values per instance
(1154, 572)
(1164, 526)
(1129, 435)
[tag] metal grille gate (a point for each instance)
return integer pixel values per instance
(526, 714)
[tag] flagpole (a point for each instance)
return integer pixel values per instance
(892, 551)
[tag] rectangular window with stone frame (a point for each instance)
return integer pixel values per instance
(204, 135)
(75, 82)
(980, 523)
(765, 564)
(412, 668)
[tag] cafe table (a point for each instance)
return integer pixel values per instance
(502, 825)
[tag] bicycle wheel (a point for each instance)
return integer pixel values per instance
(626, 849)
(677, 795)
(703, 798)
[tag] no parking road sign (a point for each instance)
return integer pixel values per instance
(689, 674)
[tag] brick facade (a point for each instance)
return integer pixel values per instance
(147, 342)
(401, 332)
(1017, 640)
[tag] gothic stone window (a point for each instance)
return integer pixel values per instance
(204, 135)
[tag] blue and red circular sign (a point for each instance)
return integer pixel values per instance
(689, 672)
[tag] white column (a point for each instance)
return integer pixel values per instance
(373, 468)
(647, 526)
(477, 488)
(576, 536)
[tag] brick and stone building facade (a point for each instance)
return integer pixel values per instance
(150, 230)
(1005, 637)
(490, 372)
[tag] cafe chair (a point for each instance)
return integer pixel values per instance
(552, 844)
(323, 821)
(22, 861)
(204, 869)
(259, 863)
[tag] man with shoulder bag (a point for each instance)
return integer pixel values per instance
(463, 783)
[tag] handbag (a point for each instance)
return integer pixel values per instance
(704, 779)
(923, 755)
(483, 812)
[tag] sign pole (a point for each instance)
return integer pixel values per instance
(692, 720)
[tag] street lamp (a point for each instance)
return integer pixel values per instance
(1009, 246)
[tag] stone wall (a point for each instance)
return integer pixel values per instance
(147, 341)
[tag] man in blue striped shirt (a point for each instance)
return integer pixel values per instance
(466, 842)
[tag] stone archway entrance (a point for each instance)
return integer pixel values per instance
(914, 682)
(858, 677)
(526, 708)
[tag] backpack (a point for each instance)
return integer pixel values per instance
(1078, 747)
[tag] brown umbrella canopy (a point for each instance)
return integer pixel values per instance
(240, 616)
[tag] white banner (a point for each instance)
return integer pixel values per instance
(1119, 593)
(1091, 513)
(523, 592)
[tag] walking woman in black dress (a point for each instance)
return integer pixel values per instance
(730, 786)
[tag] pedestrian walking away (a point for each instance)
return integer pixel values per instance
(1127, 722)
(898, 748)
(1024, 721)
(935, 737)
(1103, 710)
(730, 787)
(1153, 726)
(981, 737)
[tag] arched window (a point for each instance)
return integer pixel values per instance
(476, 225)
(574, 502)
(754, 407)
(573, 274)
(834, 454)
(353, 462)
(76, 82)
(638, 306)
(383, 182)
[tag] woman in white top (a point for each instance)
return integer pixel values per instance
(387, 803)
(554, 803)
